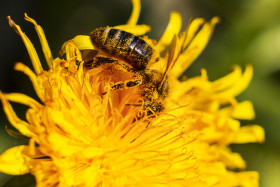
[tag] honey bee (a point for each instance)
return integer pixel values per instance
(125, 46)
(133, 54)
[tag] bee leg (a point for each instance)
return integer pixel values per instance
(99, 61)
(129, 104)
(126, 84)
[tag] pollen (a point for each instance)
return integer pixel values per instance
(82, 132)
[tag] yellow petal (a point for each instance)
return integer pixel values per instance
(232, 160)
(92, 152)
(248, 134)
(81, 76)
(173, 28)
(44, 43)
(82, 42)
(73, 53)
(23, 99)
(241, 84)
(194, 49)
(15, 134)
(23, 127)
(189, 84)
(14, 162)
(243, 110)
(248, 178)
(62, 145)
(23, 68)
(244, 179)
(135, 29)
(135, 12)
(29, 46)
(228, 80)
(192, 29)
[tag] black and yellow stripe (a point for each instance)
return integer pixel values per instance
(121, 44)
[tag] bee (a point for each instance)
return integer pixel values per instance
(133, 54)
(122, 45)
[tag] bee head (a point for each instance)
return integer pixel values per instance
(153, 108)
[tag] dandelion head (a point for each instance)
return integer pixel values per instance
(102, 121)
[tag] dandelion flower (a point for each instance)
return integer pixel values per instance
(82, 133)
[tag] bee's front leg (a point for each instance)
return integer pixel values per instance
(126, 84)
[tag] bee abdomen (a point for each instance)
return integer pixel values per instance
(133, 49)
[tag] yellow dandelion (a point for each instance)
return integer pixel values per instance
(84, 133)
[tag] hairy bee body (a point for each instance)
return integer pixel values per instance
(123, 45)
(132, 54)
(152, 91)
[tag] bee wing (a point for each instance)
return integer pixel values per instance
(170, 58)
(175, 49)
(172, 54)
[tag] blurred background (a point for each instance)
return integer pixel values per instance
(249, 32)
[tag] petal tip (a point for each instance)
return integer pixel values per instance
(11, 22)
(27, 18)
(216, 20)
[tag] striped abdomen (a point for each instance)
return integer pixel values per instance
(133, 49)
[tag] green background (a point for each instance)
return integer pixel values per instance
(249, 32)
